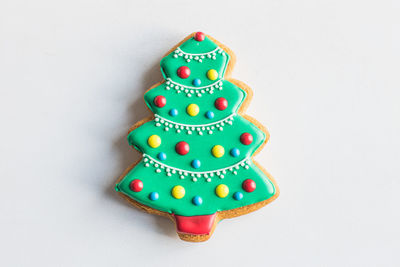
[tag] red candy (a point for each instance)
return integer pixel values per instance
(182, 148)
(136, 185)
(246, 139)
(221, 103)
(199, 36)
(183, 72)
(249, 185)
(160, 101)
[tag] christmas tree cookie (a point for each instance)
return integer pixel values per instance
(197, 165)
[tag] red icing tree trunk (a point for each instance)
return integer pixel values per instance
(195, 225)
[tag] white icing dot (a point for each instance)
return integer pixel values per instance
(167, 88)
(182, 177)
(169, 174)
(173, 171)
(209, 180)
(186, 56)
(146, 160)
(189, 132)
(209, 55)
(157, 119)
(158, 171)
(201, 56)
(200, 60)
(247, 167)
(242, 164)
(178, 131)
(214, 57)
(151, 162)
(200, 133)
(188, 60)
(167, 169)
(194, 179)
(175, 56)
(199, 95)
(211, 174)
(180, 54)
(196, 58)
(156, 165)
(189, 95)
(237, 167)
(158, 124)
(210, 132)
(235, 172)
(221, 129)
(168, 82)
(202, 91)
(205, 175)
(221, 176)
(146, 165)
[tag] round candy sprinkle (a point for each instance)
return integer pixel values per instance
(182, 148)
(209, 114)
(192, 109)
(160, 101)
(235, 152)
(197, 200)
(221, 103)
(173, 112)
(136, 185)
(153, 196)
(218, 151)
(249, 185)
(221, 190)
(183, 72)
(162, 156)
(238, 195)
(178, 192)
(212, 74)
(196, 163)
(246, 139)
(196, 82)
(154, 141)
(199, 36)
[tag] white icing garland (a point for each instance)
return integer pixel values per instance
(197, 57)
(149, 161)
(190, 90)
(199, 128)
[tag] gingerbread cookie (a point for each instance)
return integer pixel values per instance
(197, 165)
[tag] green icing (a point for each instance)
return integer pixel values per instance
(154, 177)
(233, 94)
(170, 65)
(162, 184)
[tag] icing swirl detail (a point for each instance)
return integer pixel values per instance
(150, 161)
(190, 90)
(190, 128)
(197, 57)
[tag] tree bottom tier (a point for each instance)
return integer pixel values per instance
(185, 197)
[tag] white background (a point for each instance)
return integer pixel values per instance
(325, 75)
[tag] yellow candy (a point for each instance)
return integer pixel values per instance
(154, 141)
(212, 74)
(192, 110)
(222, 190)
(178, 192)
(218, 151)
